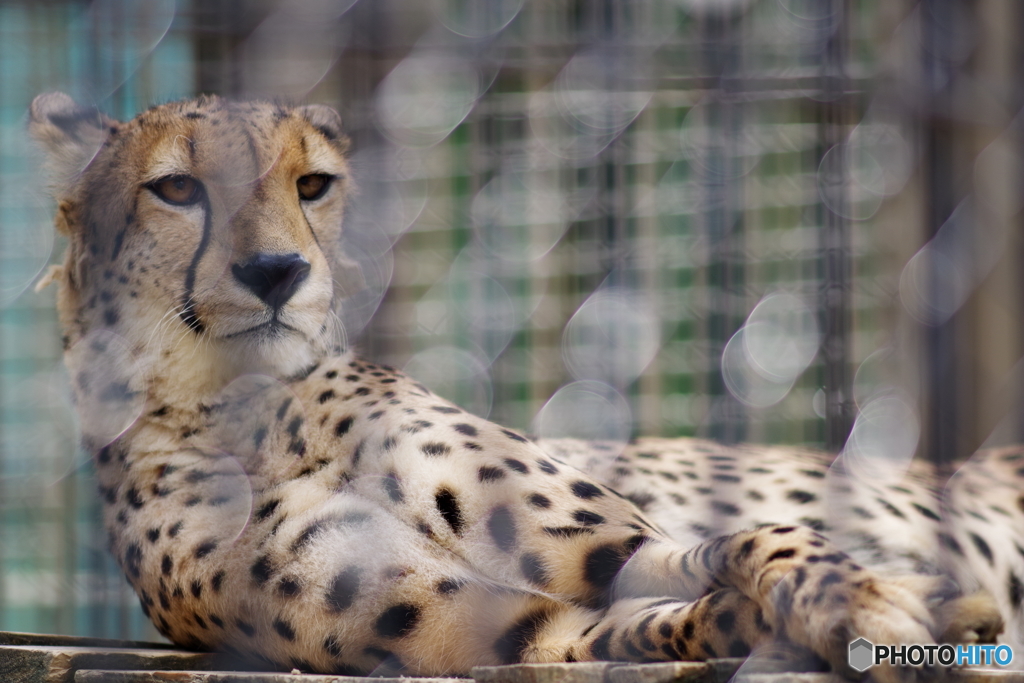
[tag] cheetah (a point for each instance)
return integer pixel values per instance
(269, 493)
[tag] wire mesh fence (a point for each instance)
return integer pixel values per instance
(780, 221)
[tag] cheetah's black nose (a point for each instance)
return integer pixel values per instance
(274, 278)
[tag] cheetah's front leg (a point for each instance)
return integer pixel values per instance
(723, 623)
(809, 591)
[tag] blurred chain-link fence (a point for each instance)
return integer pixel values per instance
(765, 220)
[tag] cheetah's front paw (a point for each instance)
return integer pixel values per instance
(881, 611)
(970, 619)
(906, 610)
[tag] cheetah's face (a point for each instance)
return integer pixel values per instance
(201, 228)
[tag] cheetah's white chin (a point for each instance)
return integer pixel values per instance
(281, 346)
(279, 353)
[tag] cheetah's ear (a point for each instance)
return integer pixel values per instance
(325, 120)
(70, 134)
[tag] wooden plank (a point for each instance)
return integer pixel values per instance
(13, 638)
(40, 658)
(58, 664)
(668, 672)
(542, 673)
(84, 676)
(713, 671)
(582, 672)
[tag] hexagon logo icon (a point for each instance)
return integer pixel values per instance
(862, 654)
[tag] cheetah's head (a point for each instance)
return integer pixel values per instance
(204, 233)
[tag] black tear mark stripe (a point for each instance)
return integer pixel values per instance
(312, 231)
(188, 313)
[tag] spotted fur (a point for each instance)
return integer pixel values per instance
(271, 494)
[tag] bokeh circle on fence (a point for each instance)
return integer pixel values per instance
(612, 337)
(883, 439)
(459, 375)
(520, 217)
(477, 18)
(763, 359)
(106, 379)
(426, 96)
(585, 410)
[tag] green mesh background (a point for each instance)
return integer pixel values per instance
(573, 206)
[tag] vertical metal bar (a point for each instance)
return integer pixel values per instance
(942, 423)
(65, 611)
(1018, 101)
(96, 612)
(835, 246)
(724, 223)
(217, 30)
(611, 163)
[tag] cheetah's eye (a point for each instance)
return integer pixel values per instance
(179, 190)
(313, 186)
